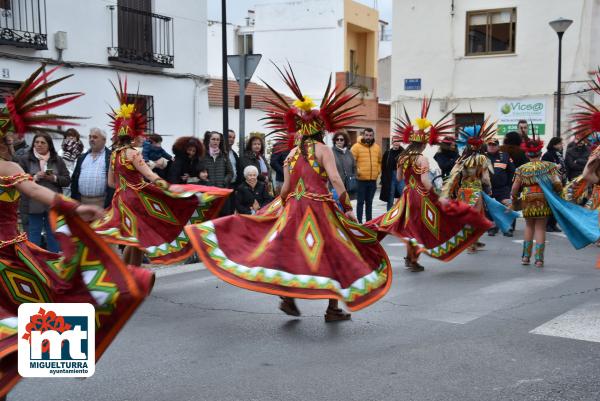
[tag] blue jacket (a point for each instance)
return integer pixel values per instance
(150, 152)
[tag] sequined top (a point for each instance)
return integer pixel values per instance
(9, 204)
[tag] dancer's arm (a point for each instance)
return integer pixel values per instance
(590, 171)
(423, 165)
(285, 188)
(514, 192)
(45, 195)
(140, 165)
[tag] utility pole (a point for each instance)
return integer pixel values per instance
(224, 68)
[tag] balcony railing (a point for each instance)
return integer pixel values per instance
(23, 23)
(365, 84)
(141, 37)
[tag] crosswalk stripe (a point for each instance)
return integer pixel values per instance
(580, 323)
(488, 299)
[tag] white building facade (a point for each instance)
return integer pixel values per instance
(493, 58)
(159, 45)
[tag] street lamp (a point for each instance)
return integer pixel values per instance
(560, 26)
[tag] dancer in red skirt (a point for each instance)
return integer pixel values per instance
(310, 248)
(87, 271)
(147, 213)
(439, 227)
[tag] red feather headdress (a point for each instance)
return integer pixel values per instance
(532, 145)
(23, 113)
(289, 122)
(587, 119)
(423, 131)
(127, 120)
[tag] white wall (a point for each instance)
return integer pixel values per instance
(309, 34)
(214, 50)
(437, 54)
(180, 95)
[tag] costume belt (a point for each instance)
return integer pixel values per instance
(19, 238)
(311, 195)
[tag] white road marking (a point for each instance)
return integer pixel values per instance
(177, 269)
(580, 323)
(485, 300)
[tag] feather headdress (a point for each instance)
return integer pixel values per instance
(587, 119)
(422, 130)
(302, 118)
(25, 111)
(127, 120)
(475, 136)
(534, 144)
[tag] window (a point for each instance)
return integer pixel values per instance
(467, 119)
(145, 104)
(491, 32)
(245, 44)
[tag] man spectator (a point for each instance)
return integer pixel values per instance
(234, 159)
(276, 163)
(446, 156)
(504, 170)
(368, 165)
(523, 129)
(391, 188)
(89, 183)
(577, 156)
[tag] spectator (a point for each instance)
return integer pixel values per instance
(344, 161)
(155, 156)
(20, 147)
(254, 155)
(48, 170)
(577, 156)
(554, 154)
(391, 188)
(186, 167)
(501, 180)
(512, 146)
(215, 160)
(251, 194)
(368, 164)
(89, 183)
(72, 148)
(276, 163)
(523, 128)
(203, 175)
(446, 156)
(234, 160)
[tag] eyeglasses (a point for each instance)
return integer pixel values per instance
(340, 140)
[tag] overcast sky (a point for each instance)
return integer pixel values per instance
(236, 9)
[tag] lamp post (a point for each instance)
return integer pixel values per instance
(560, 26)
(224, 69)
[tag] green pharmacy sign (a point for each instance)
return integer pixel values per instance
(510, 111)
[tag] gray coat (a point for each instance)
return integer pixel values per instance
(31, 165)
(344, 162)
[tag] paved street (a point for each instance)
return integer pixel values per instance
(482, 327)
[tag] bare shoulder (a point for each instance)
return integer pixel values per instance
(10, 168)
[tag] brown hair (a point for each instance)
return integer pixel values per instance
(183, 143)
(72, 132)
(343, 135)
(248, 147)
(48, 139)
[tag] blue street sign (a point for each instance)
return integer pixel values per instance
(412, 84)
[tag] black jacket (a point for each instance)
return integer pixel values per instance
(219, 170)
(504, 171)
(576, 160)
(276, 164)
(75, 194)
(516, 154)
(182, 165)
(446, 160)
(245, 197)
(31, 165)
(389, 163)
(239, 173)
(556, 157)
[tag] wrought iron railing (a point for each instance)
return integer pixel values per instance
(141, 37)
(365, 84)
(23, 23)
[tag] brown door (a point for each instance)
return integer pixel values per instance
(135, 27)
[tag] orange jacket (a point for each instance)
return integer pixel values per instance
(368, 160)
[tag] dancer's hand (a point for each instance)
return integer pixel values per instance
(90, 212)
(176, 188)
(350, 215)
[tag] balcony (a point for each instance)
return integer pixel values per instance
(23, 23)
(361, 82)
(141, 37)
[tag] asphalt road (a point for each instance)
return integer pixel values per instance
(482, 327)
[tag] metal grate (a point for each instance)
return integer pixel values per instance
(23, 23)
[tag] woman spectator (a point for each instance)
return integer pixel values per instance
(72, 148)
(344, 161)
(48, 170)
(185, 169)
(254, 155)
(512, 146)
(216, 161)
(252, 194)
